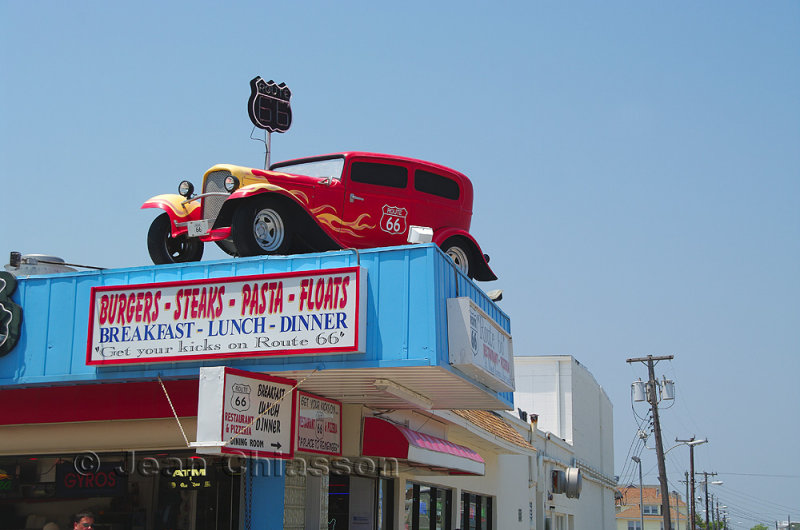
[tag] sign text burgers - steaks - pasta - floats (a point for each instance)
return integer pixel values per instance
(314, 312)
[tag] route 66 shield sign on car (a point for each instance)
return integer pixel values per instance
(393, 219)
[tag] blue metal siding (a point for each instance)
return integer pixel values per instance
(406, 294)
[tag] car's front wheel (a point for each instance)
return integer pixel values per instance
(164, 248)
(261, 226)
(460, 253)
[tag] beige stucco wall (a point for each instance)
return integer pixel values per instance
(97, 436)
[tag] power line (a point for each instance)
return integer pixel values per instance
(627, 467)
(626, 476)
(759, 475)
(685, 411)
(748, 498)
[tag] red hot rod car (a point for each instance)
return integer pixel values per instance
(343, 200)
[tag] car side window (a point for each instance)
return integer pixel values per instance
(379, 174)
(434, 184)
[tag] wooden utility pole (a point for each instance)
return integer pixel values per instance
(689, 511)
(691, 442)
(641, 491)
(713, 520)
(705, 476)
(652, 398)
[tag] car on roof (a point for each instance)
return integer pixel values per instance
(342, 200)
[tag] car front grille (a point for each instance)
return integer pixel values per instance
(215, 182)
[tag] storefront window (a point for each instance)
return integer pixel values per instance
(476, 511)
(427, 507)
(338, 500)
(484, 512)
(385, 504)
(410, 509)
(356, 501)
(443, 500)
(134, 491)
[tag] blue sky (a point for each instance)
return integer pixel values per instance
(636, 170)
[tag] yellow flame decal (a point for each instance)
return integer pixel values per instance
(299, 195)
(269, 186)
(335, 223)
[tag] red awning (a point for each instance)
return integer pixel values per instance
(386, 439)
(97, 402)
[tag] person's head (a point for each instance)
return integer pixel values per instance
(83, 521)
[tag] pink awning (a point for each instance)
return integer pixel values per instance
(386, 439)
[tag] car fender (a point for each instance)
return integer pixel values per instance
(252, 190)
(483, 272)
(177, 208)
(296, 197)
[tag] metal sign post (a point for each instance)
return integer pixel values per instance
(269, 149)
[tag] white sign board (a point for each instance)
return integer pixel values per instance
(314, 312)
(245, 413)
(478, 346)
(319, 425)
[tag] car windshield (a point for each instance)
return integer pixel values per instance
(330, 168)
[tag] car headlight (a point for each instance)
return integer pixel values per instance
(231, 183)
(186, 188)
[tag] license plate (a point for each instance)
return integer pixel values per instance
(197, 228)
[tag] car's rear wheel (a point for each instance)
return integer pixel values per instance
(164, 248)
(261, 226)
(457, 251)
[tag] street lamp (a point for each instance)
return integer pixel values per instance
(641, 491)
(678, 511)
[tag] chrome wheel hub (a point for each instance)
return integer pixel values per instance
(268, 229)
(459, 257)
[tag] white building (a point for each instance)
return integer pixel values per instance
(574, 430)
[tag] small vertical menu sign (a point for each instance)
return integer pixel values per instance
(245, 413)
(319, 425)
(478, 346)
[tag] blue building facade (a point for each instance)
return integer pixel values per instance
(49, 387)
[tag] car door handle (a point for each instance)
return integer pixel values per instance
(354, 198)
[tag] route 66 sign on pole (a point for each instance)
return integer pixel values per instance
(269, 109)
(10, 314)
